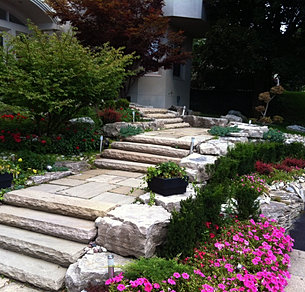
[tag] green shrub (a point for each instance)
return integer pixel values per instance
(274, 136)
(55, 76)
(223, 131)
(34, 160)
(188, 226)
(130, 131)
(241, 159)
(122, 103)
(154, 269)
(245, 190)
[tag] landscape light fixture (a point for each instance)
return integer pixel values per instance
(110, 266)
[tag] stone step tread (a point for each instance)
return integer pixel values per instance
(164, 141)
(136, 156)
(48, 248)
(152, 110)
(150, 148)
(34, 271)
(79, 230)
(122, 165)
(59, 204)
(162, 116)
(176, 125)
(171, 121)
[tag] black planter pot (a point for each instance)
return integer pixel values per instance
(168, 186)
(5, 180)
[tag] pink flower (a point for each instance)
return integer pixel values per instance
(121, 287)
(185, 276)
(177, 275)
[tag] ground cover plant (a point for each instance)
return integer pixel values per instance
(245, 256)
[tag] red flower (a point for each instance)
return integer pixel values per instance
(212, 235)
(92, 140)
(58, 138)
(43, 141)
(84, 140)
(208, 224)
(77, 147)
(42, 119)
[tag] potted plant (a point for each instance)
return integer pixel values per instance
(8, 170)
(167, 178)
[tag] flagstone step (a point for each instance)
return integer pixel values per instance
(157, 140)
(176, 125)
(162, 116)
(122, 165)
(37, 245)
(50, 201)
(136, 157)
(151, 110)
(37, 272)
(171, 121)
(75, 229)
(150, 148)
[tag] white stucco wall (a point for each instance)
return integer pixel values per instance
(184, 8)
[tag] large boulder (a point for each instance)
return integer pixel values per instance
(296, 128)
(170, 203)
(232, 118)
(91, 270)
(253, 131)
(215, 147)
(204, 122)
(238, 114)
(196, 164)
(113, 130)
(133, 230)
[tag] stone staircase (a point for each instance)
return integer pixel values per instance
(41, 235)
(171, 119)
(137, 153)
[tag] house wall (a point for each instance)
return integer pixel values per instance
(162, 88)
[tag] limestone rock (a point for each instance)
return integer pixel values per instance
(254, 131)
(48, 176)
(74, 166)
(82, 120)
(133, 230)
(113, 129)
(197, 164)
(92, 270)
(204, 122)
(170, 203)
(215, 147)
(296, 128)
(232, 118)
(238, 114)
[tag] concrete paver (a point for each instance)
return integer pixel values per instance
(105, 178)
(49, 188)
(67, 182)
(133, 182)
(124, 190)
(118, 173)
(87, 190)
(114, 198)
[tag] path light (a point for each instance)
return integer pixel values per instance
(110, 266)
(192, 145)
(183, 111)
(101, 145)
(133, 116)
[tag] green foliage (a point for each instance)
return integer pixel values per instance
(282, 176)
(34, 160)
(245, 190)
(165, 170)
(223, 131)
(188, 226)
(130, 131)
(155, 269)
(274, 136)
(241, 160)
(54, 76)
(122, 103)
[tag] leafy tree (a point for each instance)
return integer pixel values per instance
(138, 25)
(54, 76)
(249, 41)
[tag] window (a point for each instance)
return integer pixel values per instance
(177, 70)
